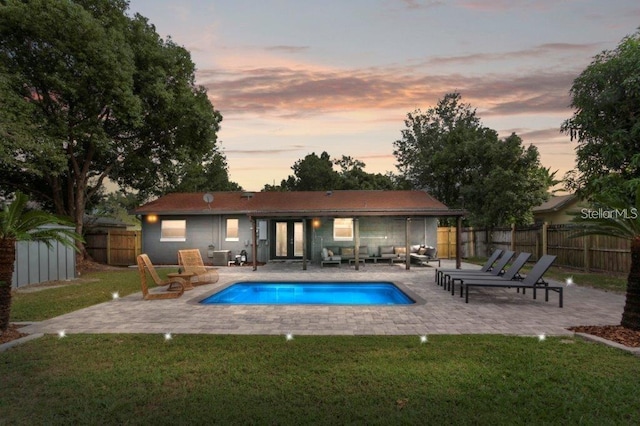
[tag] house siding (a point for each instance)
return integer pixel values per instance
(375, 232)
(205, 230)
(201, 232)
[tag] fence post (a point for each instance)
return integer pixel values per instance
(513, 237)
(109, 247)
(545, 239)
(586, 247)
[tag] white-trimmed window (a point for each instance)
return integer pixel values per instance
(343, 229)
(232, 230)
(173, 230)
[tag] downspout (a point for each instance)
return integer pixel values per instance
(254, 245)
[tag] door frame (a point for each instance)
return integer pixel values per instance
(291, 238)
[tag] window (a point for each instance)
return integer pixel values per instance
(173, 230)
(232, 230)
(343, 229)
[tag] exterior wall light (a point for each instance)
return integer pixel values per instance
(152, 218)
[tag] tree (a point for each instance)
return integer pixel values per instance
(209, 175)
(117, 205)
(353, 176)
(312, 173)
(17, 223)
(606, 123)
(448, 152)
(623, 221)
(98, 95)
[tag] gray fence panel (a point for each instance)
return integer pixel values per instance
(36, 263)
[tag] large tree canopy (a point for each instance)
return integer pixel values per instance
(89, 93)
(316, 173)
(606, 123)
(465, 165)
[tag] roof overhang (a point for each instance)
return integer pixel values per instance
(316, 213)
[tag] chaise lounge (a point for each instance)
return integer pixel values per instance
(533, 281)
(175, 287)
(497, 270)
(512, 273)
(191, 261)
(488, 266)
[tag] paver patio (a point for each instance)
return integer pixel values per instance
(494, 311)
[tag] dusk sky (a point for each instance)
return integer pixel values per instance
(295, 77)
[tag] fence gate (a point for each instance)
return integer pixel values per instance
(114, 247)
(446, 242)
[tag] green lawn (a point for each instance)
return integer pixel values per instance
(204, 379)
(600, 280)
(145, 379)
(92, 289)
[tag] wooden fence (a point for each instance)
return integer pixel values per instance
(590, 253)
(114, 247)
(446, 242)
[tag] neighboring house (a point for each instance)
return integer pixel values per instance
(287, 225)
(557, 210)
(104, 223)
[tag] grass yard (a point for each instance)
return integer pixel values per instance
(209, 379)
(203, 379)
(93, 288)
(602, 281)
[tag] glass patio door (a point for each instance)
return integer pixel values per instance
(288, 235)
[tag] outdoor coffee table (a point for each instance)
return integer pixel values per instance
(186, 277)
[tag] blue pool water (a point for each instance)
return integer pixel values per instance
(310, 293)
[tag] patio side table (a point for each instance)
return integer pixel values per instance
(186, 277)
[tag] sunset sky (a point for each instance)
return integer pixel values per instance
(295, 77)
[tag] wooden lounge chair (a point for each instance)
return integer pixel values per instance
(533, 281)
(191, 261)
(175, 285)
(485, 268)
(497, 270)
(512, 273)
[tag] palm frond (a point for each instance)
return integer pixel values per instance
(35, 225)
(609, 216)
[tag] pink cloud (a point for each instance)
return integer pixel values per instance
(289, 92)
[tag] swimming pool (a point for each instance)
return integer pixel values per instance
(310, 293)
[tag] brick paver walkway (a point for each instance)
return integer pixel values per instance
(494, 311)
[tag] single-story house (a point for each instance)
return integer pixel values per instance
(558, 209)
(269, 226)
